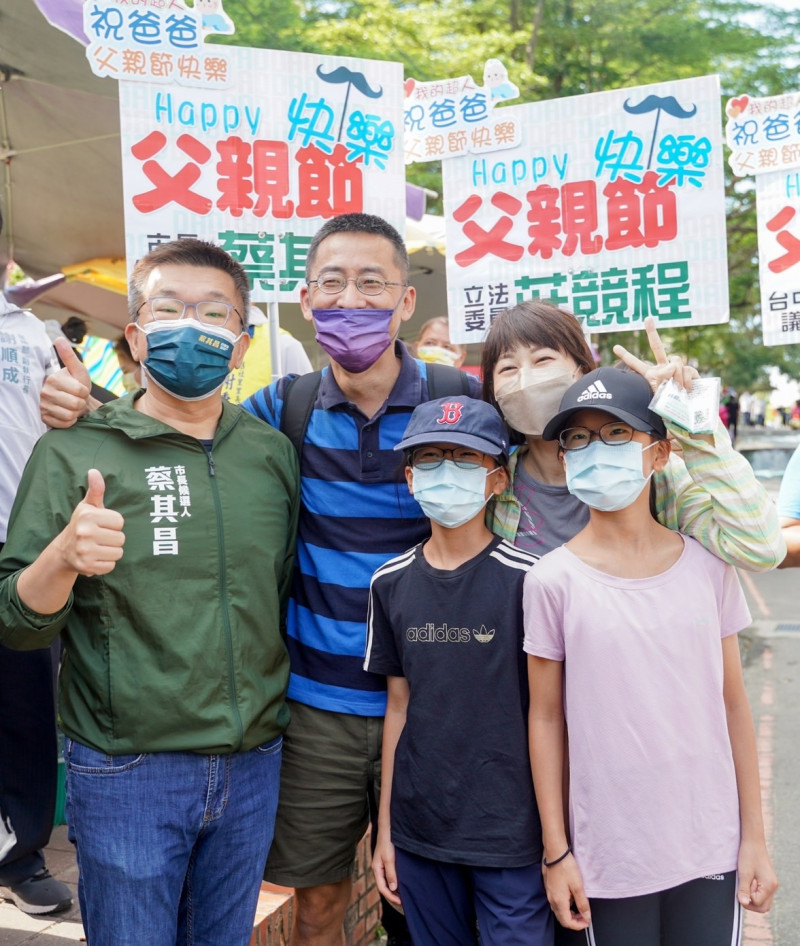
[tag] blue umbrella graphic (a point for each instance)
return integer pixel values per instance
(657, 104)
(342, 74)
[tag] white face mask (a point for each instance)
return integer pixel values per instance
(450, 495)
(606, 477)
(533, 396)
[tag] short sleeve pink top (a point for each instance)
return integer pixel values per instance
(653, 799)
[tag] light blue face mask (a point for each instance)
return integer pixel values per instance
(450, 495)
(187, 359)
(607, 477)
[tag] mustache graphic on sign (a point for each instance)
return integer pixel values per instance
(341, 76)
(658, 104)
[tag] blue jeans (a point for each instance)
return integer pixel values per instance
(171, 846)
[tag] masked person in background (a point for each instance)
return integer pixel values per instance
(157, 535)
(28, 747)
(131, 370)
(434, 346)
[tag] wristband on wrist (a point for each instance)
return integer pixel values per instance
(558, 860)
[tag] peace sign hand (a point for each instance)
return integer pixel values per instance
(664, 368)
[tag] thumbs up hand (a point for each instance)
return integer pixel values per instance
(65, 395)
(92, 542)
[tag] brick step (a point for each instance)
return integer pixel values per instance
(275, 912)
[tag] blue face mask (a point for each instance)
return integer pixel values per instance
(607, 477)
(449, 494)
(187, 359)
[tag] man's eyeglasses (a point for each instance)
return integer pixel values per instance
(614, 434)
(367, 285)
(429, 458)
(168, 309)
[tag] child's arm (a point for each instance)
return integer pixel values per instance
(383, 860)
(546, 735)
(757, 880)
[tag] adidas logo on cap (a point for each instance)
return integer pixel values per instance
(594, 392)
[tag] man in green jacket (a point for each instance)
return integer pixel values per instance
(157, 537)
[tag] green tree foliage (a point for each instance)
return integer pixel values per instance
(556, 48)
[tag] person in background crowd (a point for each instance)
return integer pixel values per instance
(28, 746)
(758, 409)
(131, 370)
(731, 402)
(433, 344)
(745, 406)
(256, 372)
(133, 534)
(789, 510)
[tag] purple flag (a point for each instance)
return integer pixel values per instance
(67, 15)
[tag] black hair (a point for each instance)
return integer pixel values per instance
(538, 323)
(359, 223)
(187, 252)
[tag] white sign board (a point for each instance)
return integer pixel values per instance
(252, 149)
(612, 206)
(779, 255)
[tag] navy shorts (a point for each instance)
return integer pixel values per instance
(446, 903)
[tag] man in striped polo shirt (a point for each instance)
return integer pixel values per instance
(356, 514)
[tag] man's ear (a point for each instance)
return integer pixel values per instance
(305, 304)
(137, 341)
(408, 303)
(239, 351)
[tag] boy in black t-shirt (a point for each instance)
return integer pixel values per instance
(459, 839)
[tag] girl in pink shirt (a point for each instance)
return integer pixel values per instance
(631, 633)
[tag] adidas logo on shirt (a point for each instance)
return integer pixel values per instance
(594, 392)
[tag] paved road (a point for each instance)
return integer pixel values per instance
(772, 673)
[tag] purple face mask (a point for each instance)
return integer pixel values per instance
(354, 338)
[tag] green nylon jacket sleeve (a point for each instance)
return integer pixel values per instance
(41, 510)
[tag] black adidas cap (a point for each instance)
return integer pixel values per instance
(623, 394)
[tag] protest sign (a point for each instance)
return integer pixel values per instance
(254, 153)
(779, 255)
(764, 137)
(449, 117)
(612, 206)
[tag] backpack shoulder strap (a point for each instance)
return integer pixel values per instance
(298, 403)
(444, 380)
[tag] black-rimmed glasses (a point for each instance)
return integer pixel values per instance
(614, 434)
(429, 458)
